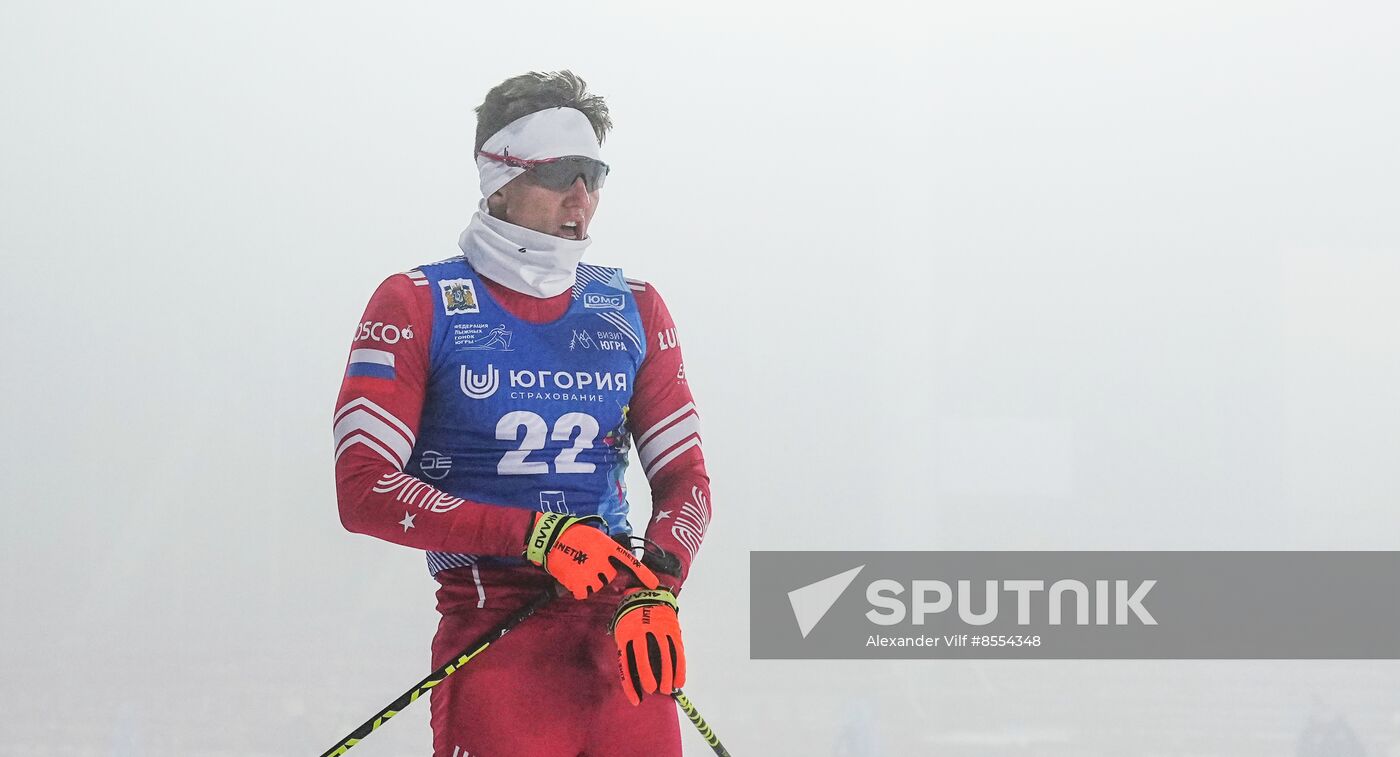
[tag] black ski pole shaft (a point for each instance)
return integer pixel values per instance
(706, 731)
(436, 677)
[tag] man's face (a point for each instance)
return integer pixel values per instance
(525, 203)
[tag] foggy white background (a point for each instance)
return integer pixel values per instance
(996, 275)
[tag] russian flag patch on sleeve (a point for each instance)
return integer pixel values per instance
(372, 363)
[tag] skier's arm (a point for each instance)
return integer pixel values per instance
(666, 432)
(376, 423)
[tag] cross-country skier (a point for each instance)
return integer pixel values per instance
(469, 428)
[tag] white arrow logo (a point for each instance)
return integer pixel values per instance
(811, 602)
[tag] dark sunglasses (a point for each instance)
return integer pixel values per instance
(558, 174)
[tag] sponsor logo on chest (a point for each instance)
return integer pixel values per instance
(595, 301)
(483, 383)
(434, 464)
(597, 339)
(459, 296)
(481, 336)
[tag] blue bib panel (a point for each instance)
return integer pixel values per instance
(527, 415)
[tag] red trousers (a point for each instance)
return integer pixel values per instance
(549, 688)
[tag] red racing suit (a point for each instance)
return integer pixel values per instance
(550, 687)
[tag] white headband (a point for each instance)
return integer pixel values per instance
(552, 133)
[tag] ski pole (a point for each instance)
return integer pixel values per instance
(706, 731)
(436, 677)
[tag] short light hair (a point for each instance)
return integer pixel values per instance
(528, 93)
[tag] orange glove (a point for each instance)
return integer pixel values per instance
(581, 558)
(650, 654)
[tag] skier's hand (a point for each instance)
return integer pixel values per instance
(650, 655)
(582, 558)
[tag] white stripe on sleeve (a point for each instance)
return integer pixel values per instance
(361, 402)
(358, 438)
(366, 355)
(688, 407)
(363, 421)
(661, 462)
(684, 429)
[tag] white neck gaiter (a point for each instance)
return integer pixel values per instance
(528, 261)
